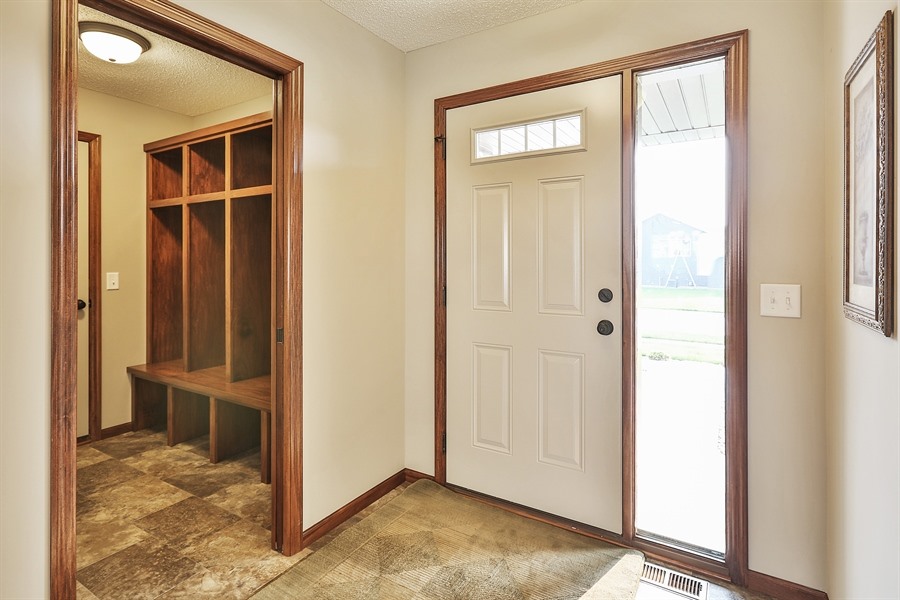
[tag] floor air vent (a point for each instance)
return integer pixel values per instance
(676, 582)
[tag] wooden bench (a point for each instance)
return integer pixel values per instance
(236, 415)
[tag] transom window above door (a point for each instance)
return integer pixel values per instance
(545, 135)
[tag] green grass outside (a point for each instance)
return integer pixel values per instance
(659, 349)
(683, 336)
(682, 345)
(682, 298)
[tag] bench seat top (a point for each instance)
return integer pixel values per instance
(253, 393)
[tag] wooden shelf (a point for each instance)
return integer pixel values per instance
(251, 158)
(209, 247)
(253, 393)
(209, 288)
(165, 321)
(248, 334)
(207, 162)
(165, 174)
(204, 343)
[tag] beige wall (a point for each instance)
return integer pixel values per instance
(353, 243)
(124, 128)
(229, 113)
(863, 389)
(786, 420)
(24, 298)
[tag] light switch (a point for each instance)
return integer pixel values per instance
(779, 300)
(112, 281)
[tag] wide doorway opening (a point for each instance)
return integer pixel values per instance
(680, 209)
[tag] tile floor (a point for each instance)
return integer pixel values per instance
(160, 522)
(163, 522)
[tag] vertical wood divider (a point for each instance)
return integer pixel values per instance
(185, 283)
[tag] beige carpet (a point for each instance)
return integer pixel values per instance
(429, 543)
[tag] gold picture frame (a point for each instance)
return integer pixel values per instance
(868, 290)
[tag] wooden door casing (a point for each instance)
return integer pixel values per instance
(198, 32)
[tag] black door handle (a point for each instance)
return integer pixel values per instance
(81, 304)
(605, 327)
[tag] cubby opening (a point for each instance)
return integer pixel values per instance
(251, 158)
(207, 173)
(205, 339)
(236, 429)
(166, 174)
(148, 404)
(189, 416)
(165, 285)
(249, 324)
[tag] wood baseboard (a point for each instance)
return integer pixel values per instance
(116, 430)
(413, 476)
(782, 589)
(351, 508)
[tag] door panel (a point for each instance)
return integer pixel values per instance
(491, 229)
(533, 391)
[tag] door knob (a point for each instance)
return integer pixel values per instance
(605, 295)
(605, 327)
(81, 304)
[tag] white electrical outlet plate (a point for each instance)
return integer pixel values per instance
(112, 281)
(779, 300)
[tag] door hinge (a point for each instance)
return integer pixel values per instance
(442, 140)
(444, 295)
(279, 335)
(444, 442)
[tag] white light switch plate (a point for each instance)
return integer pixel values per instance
(112, 281)
(779, 300)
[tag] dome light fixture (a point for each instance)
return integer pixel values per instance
(111, 42)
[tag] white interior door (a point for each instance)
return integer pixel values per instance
(533, 390)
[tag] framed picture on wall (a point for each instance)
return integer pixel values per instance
(869, 182)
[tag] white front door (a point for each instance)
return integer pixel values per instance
(533, 390)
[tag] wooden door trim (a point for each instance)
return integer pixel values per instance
(629, 344)
(63, 295)
(193, 30)
(734, 47)
(736, 492)
(95, 322)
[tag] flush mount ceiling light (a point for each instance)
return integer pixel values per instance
(112, 43)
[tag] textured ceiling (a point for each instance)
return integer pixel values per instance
(413, 24)
(166, 76)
